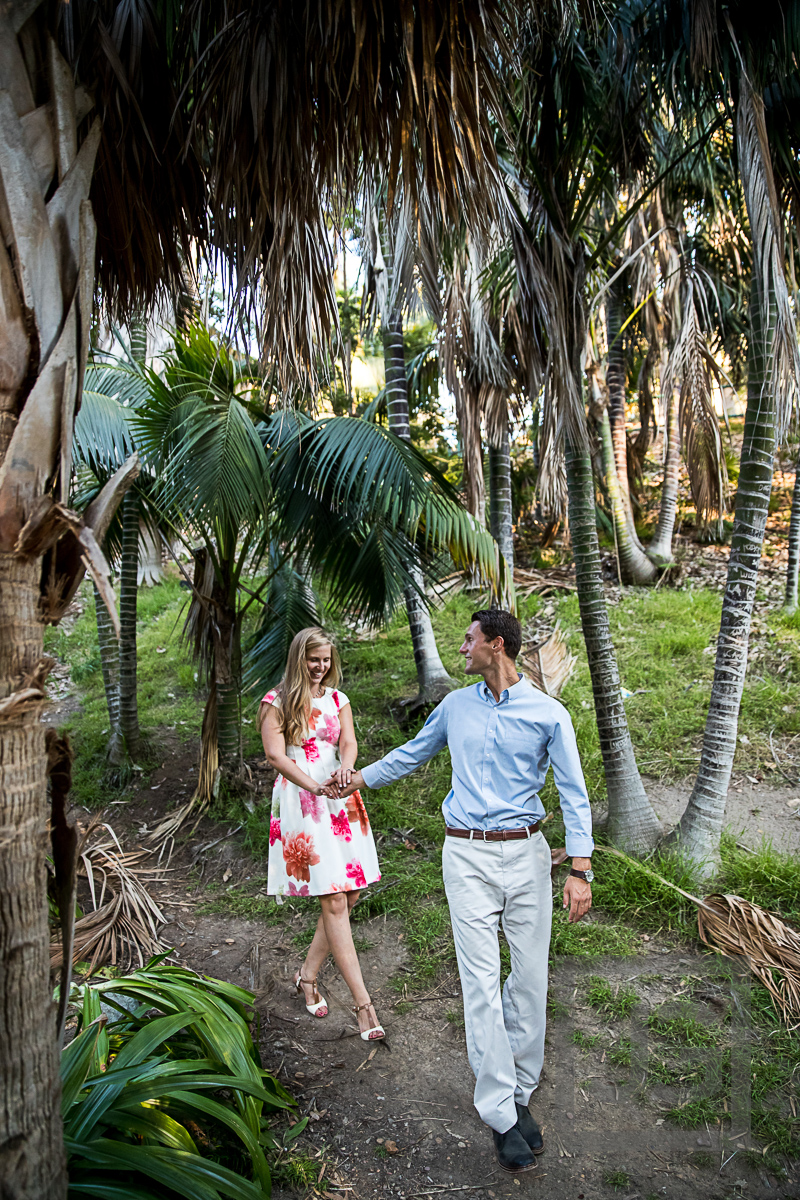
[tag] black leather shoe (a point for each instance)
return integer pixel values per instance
(513, 1152)
(529, 1129)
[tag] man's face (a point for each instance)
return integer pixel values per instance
(477, 651)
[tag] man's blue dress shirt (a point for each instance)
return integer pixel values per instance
(500, 752)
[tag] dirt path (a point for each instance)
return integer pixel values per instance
(396, 1120)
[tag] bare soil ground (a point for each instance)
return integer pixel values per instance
(396, 1119)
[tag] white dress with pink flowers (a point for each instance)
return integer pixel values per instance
(316, 845)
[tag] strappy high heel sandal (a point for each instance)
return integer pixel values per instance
(369, 1035)
(321, 1002)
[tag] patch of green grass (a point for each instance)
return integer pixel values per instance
(456, 1017)
(678, 1026)
(381, 1152)
(619, 1002)
(595, 940)
(616, 1179)
(694, 1112)
(767, 878)
(586, 1041)
(703, 1160)
(619, 1055)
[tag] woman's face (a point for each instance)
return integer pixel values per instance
(318, 663)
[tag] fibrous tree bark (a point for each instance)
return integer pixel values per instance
(434, 681)
(46, 286)
(109, 663)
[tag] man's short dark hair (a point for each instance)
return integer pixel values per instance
(496, 622)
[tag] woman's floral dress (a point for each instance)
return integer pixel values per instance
(316, 845)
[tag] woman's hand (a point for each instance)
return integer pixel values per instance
(343, 776)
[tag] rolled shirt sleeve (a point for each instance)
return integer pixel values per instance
(568, 775)
(429, 741)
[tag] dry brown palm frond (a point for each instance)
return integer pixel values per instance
(549, 664)
(758, 182)
(767, 944)
(289, 100)
(123, 924)
(692, 366)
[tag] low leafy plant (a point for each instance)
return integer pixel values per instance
(163, 1092)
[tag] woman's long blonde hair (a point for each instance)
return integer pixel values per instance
(294, 688)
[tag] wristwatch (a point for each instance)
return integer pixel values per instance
(587, 875)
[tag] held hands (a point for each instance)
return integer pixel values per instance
(328, 788)
(342, 783)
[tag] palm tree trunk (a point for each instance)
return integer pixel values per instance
(228, 676)
(615, 379)
(793, 564)
(698, 833)
(660, 549)
(500, 510)
(32, 1161)
(632, 822)
(109, 662)
(634, 565)
(128, 595)
(433, 680)
(45, 307)
(129, 586)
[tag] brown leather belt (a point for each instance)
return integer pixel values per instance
(492, 835)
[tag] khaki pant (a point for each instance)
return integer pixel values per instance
(486, 882)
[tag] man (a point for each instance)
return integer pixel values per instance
(503, 734)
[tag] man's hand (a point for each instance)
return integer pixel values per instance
(577, 897)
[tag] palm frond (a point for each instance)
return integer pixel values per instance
(123, 924)
(289, 606)
(692, 366)
(768, 252)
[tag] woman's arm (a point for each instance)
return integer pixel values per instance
(348, 747)
(275, 750)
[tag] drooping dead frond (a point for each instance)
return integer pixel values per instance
(763, 210)
(763, 940)
(123, 924)
(549, 664)
(693, 368)
(289, 100)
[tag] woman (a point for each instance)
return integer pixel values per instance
(319, 845)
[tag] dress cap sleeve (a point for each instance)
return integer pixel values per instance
(339, 698)
(271, 697)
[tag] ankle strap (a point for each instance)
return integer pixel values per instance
(357, 1008)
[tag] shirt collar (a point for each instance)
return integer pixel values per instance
(506, 693)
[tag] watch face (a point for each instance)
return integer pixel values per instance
(588, 875)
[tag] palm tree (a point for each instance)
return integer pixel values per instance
(793, 561)
(185, 152)
(569, 123)
(103, 439)
(745, 60)
(391, 252)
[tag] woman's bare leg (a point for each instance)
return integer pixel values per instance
(319, 950)
(334, 936)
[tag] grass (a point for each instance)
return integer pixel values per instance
(617, 1003)
(680, 1027)
(616, 1179)
(619, 1055)
(586, 1041)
